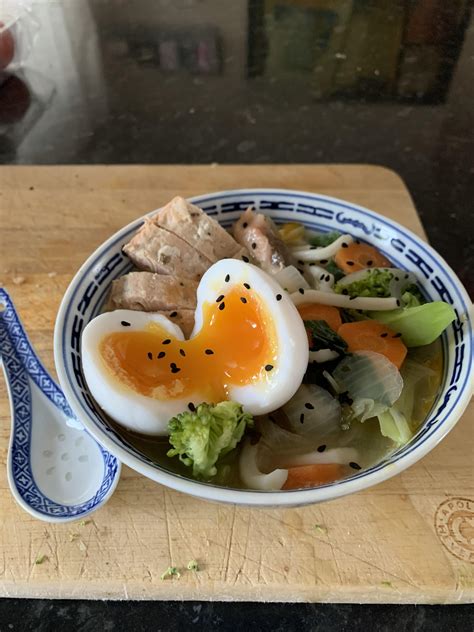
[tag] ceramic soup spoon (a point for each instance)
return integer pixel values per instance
(56, 470)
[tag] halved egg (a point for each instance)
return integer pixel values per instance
(248, 345)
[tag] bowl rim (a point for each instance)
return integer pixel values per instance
(257, 497)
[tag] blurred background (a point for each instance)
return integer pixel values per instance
(252, 81)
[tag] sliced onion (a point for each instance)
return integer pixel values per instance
(291, 279)
(321, 279)
(251, 475)
(369, 377)
(323, 355)
(341, 300)
(312, 253)
(313, 413)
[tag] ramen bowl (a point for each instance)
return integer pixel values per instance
(87, 293)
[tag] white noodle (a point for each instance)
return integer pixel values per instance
(310, 253)
(368, 303)
(322, 279)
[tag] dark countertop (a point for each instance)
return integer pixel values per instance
(259, 81)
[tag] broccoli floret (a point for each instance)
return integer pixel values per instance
(375, 283)
(200, 437)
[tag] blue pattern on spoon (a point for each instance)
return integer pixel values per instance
(56, 470)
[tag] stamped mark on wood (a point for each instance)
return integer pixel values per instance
(454, 526)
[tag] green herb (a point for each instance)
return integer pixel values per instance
(335, 270)
(171, 571)
(40, 559)
(386, 583)
(323, 337)
(193, 565)
(320, 529)
(83, 523)
(200, 437)
(321, 240)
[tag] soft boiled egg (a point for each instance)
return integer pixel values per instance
(248, 345)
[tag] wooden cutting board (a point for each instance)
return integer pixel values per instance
(391, 543)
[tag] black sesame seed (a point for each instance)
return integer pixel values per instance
(350, 263)
(398, 303)
(406, 276)
(301, 290)
(351, 298)
(192, 407)
(344, 245)
(399, 335)
(300, 262)
(328, 277)
(220, 298)
(243, 299)
(323, 261)
(173, 314)
(245, 224)
(384, 335)
(268, 367)
(166, 342)
(279, 297)
(321, 278)
(247, 286)
(357, 241)
(312, 247)
(345, 291)
(321, 448)
(222, 306)
(355, 466)
(209, 352)
(302, 418)
(254, 245)
(227, 278)
(370, 262)
(124, 323)
(161, 355)
(312, 264)
(150, 355)
(309, 406)
(397, 278)
(182, 352)
(174, 368)
(246, 259)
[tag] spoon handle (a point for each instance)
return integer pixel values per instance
(15, 348)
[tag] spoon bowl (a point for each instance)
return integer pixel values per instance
(56, 470)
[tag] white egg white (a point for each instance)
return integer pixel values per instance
(282, 382)
(129, 408)
(150, 415)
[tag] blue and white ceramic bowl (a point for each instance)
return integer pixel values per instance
(88, 291)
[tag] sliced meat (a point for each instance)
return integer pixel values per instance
(149, 292)
(157, 250)
(197, 229)
(259, 235)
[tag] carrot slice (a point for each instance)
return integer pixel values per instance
(357, 256)
(315, 311)
(370, 335)
(313, 475)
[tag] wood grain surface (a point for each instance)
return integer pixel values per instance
(388, 544)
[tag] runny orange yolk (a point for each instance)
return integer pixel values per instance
(235, 346)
